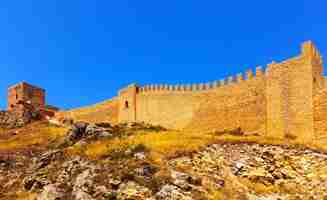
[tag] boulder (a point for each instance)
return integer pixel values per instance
(132, 191)
(46, 158)
(185, 181)
(95, 131)
(77, 131)
(171, 192)
(35, 182)
(51, 192)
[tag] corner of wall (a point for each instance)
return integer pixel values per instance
(127, 103)
(310, 53)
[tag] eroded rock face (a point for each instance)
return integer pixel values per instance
(18, 117)
(11, 120)
(294, 170)
(35, 182)
(51, 192)
(132, 190)
(219, 171)
(171, 192)
(77, 131)
(84, 131)
(217, 167)
(47, 158)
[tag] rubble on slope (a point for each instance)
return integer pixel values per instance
(11, 120)
(86, 131)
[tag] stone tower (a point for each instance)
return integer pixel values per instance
(127, 103)
(24, 93)
(290, 87)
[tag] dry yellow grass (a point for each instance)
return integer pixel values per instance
(166, 143)
(161, 144)
(26, 196)
(170, 143)
(33, 134)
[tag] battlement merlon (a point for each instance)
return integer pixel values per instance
(310, 53)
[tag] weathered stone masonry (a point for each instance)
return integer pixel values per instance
(25, 102)
(287, 99)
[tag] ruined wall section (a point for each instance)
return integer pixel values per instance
(24, 92)
(237, 101)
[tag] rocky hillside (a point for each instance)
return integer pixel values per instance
(139, 161)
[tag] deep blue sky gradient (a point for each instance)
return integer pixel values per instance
(82, 52)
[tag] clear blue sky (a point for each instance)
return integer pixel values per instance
(82, 52)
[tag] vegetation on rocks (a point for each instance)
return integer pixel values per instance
(136, 161)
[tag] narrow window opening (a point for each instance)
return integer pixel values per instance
(16, 96)
(126, 104)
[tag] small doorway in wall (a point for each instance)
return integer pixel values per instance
(126, 104)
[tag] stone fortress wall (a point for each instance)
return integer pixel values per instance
(287, 99)
(205, 106)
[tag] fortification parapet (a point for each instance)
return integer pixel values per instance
(222, 82)
(259, 71)
(239, 77)
(133, 85)
(311, 53)
(276, 100)
(215, 84)
(249, 74)
(230, 80)
(194, 87)
(209, 86)
(270, 67)
(188, 87)
(234, 79)
(158, 88)
(200, 86)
